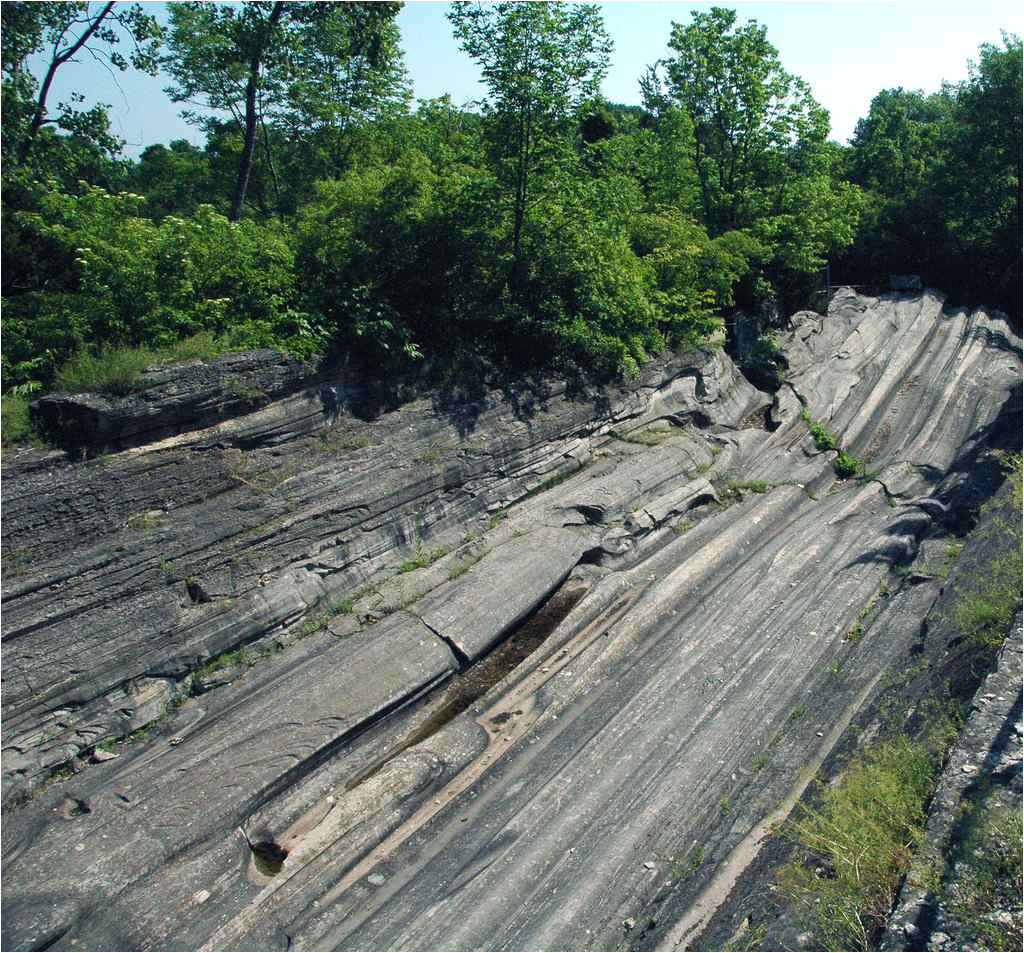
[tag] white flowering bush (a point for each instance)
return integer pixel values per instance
(121, 279)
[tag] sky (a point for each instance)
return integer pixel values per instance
(846, 51)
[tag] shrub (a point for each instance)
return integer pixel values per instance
(121, 280)
(15, 423)
(846, 465)
(823, 439)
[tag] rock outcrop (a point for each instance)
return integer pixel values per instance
(175, 398)
(283, 624)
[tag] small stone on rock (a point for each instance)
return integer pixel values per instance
(649, 864)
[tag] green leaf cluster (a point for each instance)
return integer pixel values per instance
(121, 279)
(540, 227)
(941, 174)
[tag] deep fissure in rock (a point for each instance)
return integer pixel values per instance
(464, 689)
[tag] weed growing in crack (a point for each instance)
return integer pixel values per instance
(422, 559)
(340, 440)
(462, 567)
(239, 656)
(733, 490)
(247, 393)
(555, 480)
(857, 839)
(149, 519)
(16, 562)
(747, 937)
(685, 867)
(646, 438)
(431, 455)
(846, 465)
(823, 439)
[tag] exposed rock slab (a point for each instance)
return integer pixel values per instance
(172, 398)
(590, 797)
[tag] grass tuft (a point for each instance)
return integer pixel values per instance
(422, 559)
(116, 371)
(859, 839)
(734, 489)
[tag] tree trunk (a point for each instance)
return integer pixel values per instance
(251, 118)
(522, 176)
(275, 181)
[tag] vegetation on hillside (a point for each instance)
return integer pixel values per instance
(542, 226)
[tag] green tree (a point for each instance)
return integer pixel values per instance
(57, 33)
(983, 175)
(539, 62)
(346, 71)
(746, 110)
(176, 178)
(759, 142)
(897, 147)
(942, 173)
(896, 155)
(310, 67)
(228, 59)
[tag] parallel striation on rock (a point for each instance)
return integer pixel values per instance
(605, 779)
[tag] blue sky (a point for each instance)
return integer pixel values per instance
(847, 51)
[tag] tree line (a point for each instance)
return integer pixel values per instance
(543, 226)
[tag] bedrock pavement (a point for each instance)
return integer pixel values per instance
(258, 616)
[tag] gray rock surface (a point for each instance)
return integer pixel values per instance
(176, 397)
(984, 765)
(279, 600)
